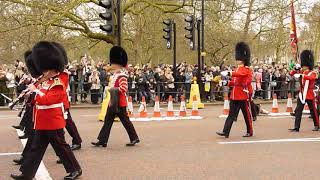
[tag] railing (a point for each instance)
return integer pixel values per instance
(81, 92)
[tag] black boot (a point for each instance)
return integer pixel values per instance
(59, 161)
(254, 118)
(99, 144)
(20, 177)
(73, 175)
(247, 135)
(17, 127)
(293, 114)
(23, 137)
(222, 134)
(75, 147)
(316, 128)
(18, 161)
(134, 142)
(294, 130)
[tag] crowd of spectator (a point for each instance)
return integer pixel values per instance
(89, 79)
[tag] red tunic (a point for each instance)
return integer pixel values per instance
(49, 108)
(65, 79)
(241, 83)
(119, 80)
(311, 76)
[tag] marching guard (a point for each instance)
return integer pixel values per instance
(118, 102)
(241, 87)
(70, 124)
(306, 95)
(28, 115)
(48, 116)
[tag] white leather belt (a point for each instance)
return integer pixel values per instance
(60, 105)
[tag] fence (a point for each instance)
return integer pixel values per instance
(209, 91)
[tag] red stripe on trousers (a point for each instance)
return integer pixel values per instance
(315, 112)
(249, 117)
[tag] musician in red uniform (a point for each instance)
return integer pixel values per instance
(118, 103)
(70, 125)
(240, 94)
(306, 95)
(48, 115)
(28, 115)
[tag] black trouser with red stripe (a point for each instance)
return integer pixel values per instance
(235, 106)
(41, 140)
(72, 129)
(313, 111)
(123, 116)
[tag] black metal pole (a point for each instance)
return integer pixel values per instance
(202, 32)
(174, 50)
(119, 22)
(199, 53)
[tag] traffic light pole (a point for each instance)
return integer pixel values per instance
(119, 22)
(174, 50)
(199, 53)
(202, 32)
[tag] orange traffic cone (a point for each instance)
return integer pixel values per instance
(143, 108)
(306, 107)
(183, 108)
(226, 105)
(275, 106)
(130, 107)
(289, 103)
(170, 112)
(195, 111)
(156, 111)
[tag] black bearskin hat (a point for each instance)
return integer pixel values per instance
(47, 57)
(118, 56)
(30, 65)
(307, 59)
(63, 51)
(243, 53)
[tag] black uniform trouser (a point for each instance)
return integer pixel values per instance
(313, 111)
(27, 148)
(235, 106)
(26, 120)
(123, 116)
(41, 140)
(253, 110)
(72, 129)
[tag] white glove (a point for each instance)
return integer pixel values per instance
(223, 83)
(297, 76)
(224, 73)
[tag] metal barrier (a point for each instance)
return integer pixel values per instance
(82, 91)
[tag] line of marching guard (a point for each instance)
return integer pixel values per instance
(47, 104)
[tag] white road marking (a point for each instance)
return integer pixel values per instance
(273, 141)
(42, 173)
(9, 154)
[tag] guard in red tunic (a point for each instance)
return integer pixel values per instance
(240, 94)
(70, 125)
(29, 108)
(306, 95)
(48, 116)
(118, 102)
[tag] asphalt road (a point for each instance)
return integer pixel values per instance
(185, 149)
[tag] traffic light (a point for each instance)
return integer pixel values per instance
(168, 30)
(190, 27)
(108, 16)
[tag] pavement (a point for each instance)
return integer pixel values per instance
(182, 150)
